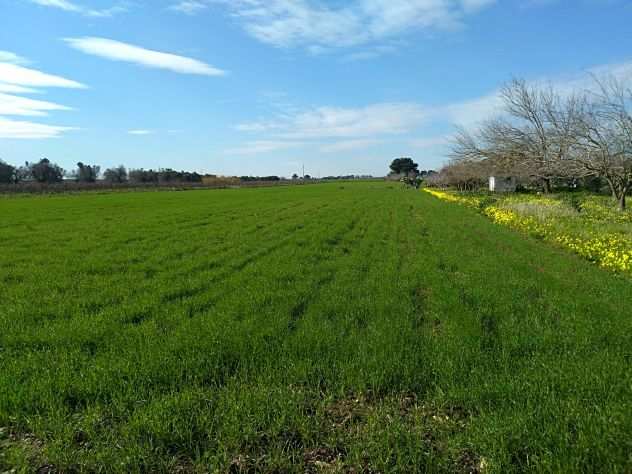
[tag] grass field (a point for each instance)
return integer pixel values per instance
(584, 223)
(348, 327)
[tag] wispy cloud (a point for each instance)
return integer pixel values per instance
(430, 142)
(15, 89)
(18, 129)
(417, 126)
(262, 146)
(140, 132)
(22, 76)
(474, 111)
(470, 112)
(317, 26)
(338, 122)
(16, 79)
(331, 129)
(9, 57)
(16, 105)
(349, 145)
(119, 51)
(73, 7)
(189, 7)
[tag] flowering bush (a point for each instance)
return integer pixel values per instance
(557, 222)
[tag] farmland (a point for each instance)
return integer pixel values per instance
(350, 327)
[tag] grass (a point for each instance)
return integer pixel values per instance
(586, 224)
(354, 327)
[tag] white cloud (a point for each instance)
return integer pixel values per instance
(16, 79)
(73, 7)
(29, 130)
(119, 51)
(189, 7)
(18, 75)
(354, 128)
(140, 132)
(430, 142)
(363, 127)
(349, 145)
(16, 105)
(262, 146)
(337, 122)
(318, 27)
(61, 4)
(473, 111)
(9, 57)
(15, 89)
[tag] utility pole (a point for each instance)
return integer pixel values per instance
(303, 171)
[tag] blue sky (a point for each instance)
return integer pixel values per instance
(262, 86)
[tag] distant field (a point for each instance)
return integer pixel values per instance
(347, 327)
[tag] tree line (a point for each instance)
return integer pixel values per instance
(548, 138)
(46, 172)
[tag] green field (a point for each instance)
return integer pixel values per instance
(348, 327)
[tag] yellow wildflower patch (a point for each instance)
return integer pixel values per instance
(609, 250)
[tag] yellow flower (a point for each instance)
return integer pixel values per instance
(611, 251)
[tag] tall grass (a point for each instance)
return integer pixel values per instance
(353, 327)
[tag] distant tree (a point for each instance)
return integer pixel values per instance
(143, 176)
(259, 178)
(87, 173)
(8, 173)
(44, 171)
(307, 177)
(404, 166)
(294, 176)
(115, 175)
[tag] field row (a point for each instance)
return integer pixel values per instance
(350, 326)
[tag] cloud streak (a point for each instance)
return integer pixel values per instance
(350, 145)
(119, 51)
(257, 147)
(17, 129)
(22, 76)
(420, 126)
(312, 24)
(338, 122)
(16, 105)
(9, 57)
(17, 79)
(68, 6)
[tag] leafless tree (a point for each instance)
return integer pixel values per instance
(541, 130)
(605, 137)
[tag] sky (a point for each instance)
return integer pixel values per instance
(263, 87)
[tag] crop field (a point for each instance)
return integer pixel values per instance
(347, 327)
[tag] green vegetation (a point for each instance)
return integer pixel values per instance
(344, 326)
(586, 224)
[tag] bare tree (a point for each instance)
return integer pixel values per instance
(605, 137)
(541, 131)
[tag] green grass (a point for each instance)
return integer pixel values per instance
(350, 327)
(583, 223)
